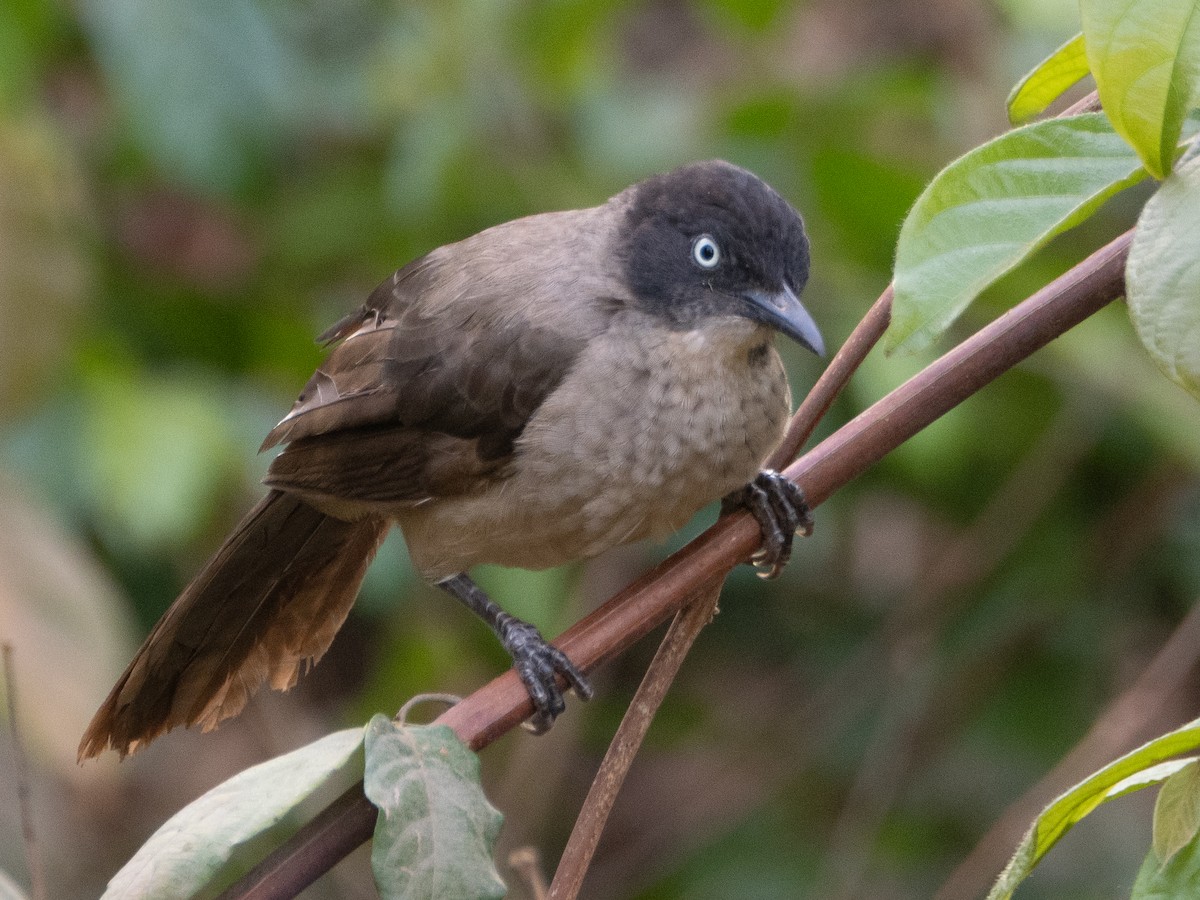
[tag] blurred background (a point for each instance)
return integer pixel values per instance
(190, 191)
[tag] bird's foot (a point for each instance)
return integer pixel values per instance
(781, 511)
(537, 662)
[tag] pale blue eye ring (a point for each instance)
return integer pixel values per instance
(705, 252)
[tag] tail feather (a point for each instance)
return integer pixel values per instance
(265, 606)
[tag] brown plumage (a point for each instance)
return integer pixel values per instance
(265, 606)
(536, 393)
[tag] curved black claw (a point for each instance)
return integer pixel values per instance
(781, 511)
(537, 662)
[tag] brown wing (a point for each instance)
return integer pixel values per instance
(435, 377)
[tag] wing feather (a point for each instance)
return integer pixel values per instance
(437, 373)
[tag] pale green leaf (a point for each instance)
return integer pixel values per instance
(991, 208)
(1148, 764)
(436, 832)
(1177, 879)
(191, 847)
(1145, 55)
(1162, 276)
(1046, 83)
(1177, 812)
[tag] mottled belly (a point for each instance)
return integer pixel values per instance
(616, 454)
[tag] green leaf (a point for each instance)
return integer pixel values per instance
(1162, 276)
(1177, 812)
(1145, 55)
(1149, 764)
(990, 209)
(186, 852)
(1177, 879)
(436, 832)
(1046, 83)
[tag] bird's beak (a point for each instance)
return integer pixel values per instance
(784, 311)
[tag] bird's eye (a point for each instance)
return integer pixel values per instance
(705, 252)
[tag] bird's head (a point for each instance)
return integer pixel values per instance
(711, 239)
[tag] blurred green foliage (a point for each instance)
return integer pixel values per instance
(189, 191)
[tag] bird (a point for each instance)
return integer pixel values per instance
(540, 392)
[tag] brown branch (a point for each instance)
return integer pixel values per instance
(527, 863)
(503, 703)
(585, 836)
(844, 364)
(1025, 328)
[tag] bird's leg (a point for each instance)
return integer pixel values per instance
(536, 660)
(780, 509)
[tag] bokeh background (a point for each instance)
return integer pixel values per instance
(189, 191)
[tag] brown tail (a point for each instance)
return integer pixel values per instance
(266, 605)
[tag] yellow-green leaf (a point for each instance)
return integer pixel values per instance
(1145, 55)
(1149, 764)
(1046, 83)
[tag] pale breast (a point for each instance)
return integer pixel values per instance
(649, 426)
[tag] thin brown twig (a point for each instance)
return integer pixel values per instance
(585, 836)
(527, 862)
(33, 852)
(833, 380)
(502, 704)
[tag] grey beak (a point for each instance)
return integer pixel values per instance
(785, 312)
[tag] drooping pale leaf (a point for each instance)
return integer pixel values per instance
(1162, 276)
(1177, 812)
(188, 850)
(991, 208)
(1149, 764)
(436, 832)
(1047, 81)
(1145, 55)
(1177, 879)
